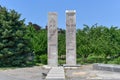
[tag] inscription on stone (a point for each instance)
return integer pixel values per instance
(70, 37)
(52, 39)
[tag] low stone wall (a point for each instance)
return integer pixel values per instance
(106, 67)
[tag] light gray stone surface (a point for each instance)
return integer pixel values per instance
(107, 67)
(56, 73)
(7, 77)
(70, 37)
(52, 39)
(66, 65)
(28, 73)
(85, 72)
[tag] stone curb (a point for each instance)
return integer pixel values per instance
(106, 67)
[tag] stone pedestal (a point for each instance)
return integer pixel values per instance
(52, 39)
(70, 37)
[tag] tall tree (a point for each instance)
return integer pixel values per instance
(38, 42)
(14, 48)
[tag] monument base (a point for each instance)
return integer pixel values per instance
(46, 67)
(68, 66)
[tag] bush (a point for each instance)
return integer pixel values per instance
(115, 61)
(43, 58)
(95, 59)
(61, 62)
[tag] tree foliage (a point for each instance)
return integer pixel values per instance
(61, 46)
(13, 46)
(98, 44)
(38, 43)
(95, 44)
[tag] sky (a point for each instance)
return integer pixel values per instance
(89, 12)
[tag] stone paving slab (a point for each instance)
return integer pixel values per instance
(67, 65)
(29, 73)
(56, 73)
(7, 77)
(106, 67)
(85, 72)
(55, 78)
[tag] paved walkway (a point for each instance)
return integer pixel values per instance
(56, 73)
(7, 77)
(33, 73)
(85, 72)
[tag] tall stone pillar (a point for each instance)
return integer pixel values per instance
(52, 39)
(70, 37)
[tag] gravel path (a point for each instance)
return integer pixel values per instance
(85, 72)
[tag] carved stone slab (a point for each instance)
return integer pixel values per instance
(52, 39)
(71, 37)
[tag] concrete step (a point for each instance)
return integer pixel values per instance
(106, 67)
(56, 73)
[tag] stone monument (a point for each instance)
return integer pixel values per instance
(70, 37)
(52, 39)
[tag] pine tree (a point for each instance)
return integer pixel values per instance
(14, 48)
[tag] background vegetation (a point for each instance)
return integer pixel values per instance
(22, 45)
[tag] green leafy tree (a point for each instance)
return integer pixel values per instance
(98, 44)
(38, 43)
(61, 46)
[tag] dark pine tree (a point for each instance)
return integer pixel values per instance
(14, 48)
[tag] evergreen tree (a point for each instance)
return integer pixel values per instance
(14, 48)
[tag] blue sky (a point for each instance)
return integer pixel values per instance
(103, 12)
